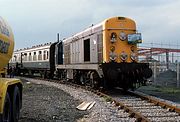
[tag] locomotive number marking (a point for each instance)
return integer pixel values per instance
(4, 46)
(4, 30)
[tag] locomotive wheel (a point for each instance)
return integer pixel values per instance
(44, 75)
(94, 80)
(6, 117)
(124, 84)
(82, 79)
(76, 76)
(3, 75)
(16, 104)
(92, 83)
(147, 73)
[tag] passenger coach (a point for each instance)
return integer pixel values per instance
(37, 59)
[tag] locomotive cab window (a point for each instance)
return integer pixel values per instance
(87, 50)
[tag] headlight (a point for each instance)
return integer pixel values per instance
(122, 36)
(123, 56)
(113, 37)
(112, 56)
(133, 56)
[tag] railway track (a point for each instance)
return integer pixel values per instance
(142, 107)
(146, 108)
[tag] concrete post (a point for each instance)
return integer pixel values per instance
(167, 59)
(178, 84)
(154, 72)
(172, 57)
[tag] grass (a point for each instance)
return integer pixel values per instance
(169, 90)
(158, 88)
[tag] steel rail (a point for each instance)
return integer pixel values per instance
(156, 101)
(132, 113)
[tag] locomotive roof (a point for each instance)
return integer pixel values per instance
(92, 28)
(80, 34)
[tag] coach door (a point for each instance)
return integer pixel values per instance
(93, 49)
(59, 53)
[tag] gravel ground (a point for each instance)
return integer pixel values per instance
(51, 102)
(42, 103)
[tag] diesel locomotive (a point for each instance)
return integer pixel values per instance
(104, 55)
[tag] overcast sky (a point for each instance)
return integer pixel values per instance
(38, 21)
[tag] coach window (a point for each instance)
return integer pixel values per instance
(25, 56)
(40, 55)
(34, 56)
(87, 50)
(44, 55)
(30, 57)
(47, 54)
(19, 57)
(15, 58)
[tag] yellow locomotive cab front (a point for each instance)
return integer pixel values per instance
(116, 45)
(10, 89)
(120, 57)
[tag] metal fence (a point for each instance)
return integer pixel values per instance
(165, 74)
